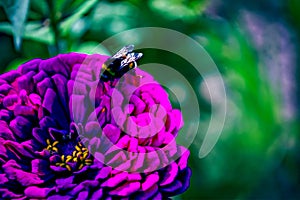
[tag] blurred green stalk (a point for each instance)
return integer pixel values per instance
(54, 24)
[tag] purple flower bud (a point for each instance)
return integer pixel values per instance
(65, 134)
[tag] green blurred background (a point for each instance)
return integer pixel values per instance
(255, 45)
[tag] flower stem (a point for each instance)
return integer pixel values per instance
(54, 23)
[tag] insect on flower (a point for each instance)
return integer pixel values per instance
(120, 63)
(52, 154)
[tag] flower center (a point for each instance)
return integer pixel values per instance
(71, 154)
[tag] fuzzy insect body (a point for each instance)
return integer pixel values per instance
(120, 63)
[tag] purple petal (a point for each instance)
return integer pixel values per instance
(170, 174)
(13, 172)
(36, 192)
(60, 197)
(29, 66)
(170, 122)
(77, 108)
(48, 67)
(47, 122)
(39, 77)
(18, 150)
(35, 99)
(3, 179)
(52, 104)
(40, 135)
(158, 139)
(10, 76)
(112, 132)
(103, 173)
(131, 127)
(177, 117)
(60, 84)
(43, 86)
(24, 111)
(150, 181)
(5, 132)
(148, 100)
(25, 82)
(129, 108)
(5, 193)
(144, 195)
(171, 148)
(71, 59)
(138, 162)
(139, 105)
(134, 177)
(98, 164)
(161, 97)
(164, 160)
(76, 88)
(143, 119)
(123, 142)
(152, 161)
(58, 169)
(84, 185)
(82, 170)
(116, 180)
(119, 116)
(21, 127)
(184, 155)
(126, 189)
(117, 98)
(97, 195)
(92, 129)
(157, 196)
(94, 145)
(186, 175)
(5, 88)
(83, 75)
(83, 195)
(133, 145)
(40, 167)
(5, 115)
(64, 181)
(10, 101)
(176, 185)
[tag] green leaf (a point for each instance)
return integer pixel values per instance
(66, 25)
(16, 11)
(178, 9)
(33, 31)
(38, 9)
(90, 48)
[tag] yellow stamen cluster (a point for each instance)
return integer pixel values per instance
(79, 156)
(64, 162)
(52, 147)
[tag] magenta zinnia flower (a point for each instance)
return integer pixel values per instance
(66, 135)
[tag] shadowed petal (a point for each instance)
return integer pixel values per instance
(13, 172)
(5, 193)
(170, 174)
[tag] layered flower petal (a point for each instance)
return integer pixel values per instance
(64, 134)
